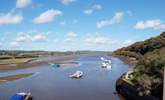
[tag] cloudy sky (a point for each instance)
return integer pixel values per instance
(60, 25)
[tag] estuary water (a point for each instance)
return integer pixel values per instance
(50, 83)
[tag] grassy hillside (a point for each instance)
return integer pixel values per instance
(137, 50)
(150, 56)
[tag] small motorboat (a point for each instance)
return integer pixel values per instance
(21, 96)
(77, 74)
(54, 65)
(102, 58)
(109, 67)
(105, 60)
(106, 63)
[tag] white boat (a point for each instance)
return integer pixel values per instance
(105, 60)
(77, 74)
(106, 63)
(54, 65)
(102, 58)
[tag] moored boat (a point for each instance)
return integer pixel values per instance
(77, 74)
(22, 96)
(106, 63)
(54, 65)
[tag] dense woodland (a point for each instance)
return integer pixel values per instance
(150, 56)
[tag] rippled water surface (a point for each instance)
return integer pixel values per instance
(50, 83)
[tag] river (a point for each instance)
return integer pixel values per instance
(49, 83)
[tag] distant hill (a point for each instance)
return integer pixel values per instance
(8, 54)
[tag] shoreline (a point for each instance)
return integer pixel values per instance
(127, 61)
(64, 61)
(9, 78)
(131, 92)
(128, 91)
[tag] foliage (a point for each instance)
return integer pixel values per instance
(143, 47)
(148, 72)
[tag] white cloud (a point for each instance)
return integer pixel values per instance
(70, 36)
(27, 37)
(68, 40)
(101, 43)
(62, 23)
(127, 42)
(23, 3)
(88, 11)
(39, 38)
(92, 9)
(67, 2)
(47, 16)
(117, 18)
(100, 40)
(14, 44)
(10, 18)
(153, 24)
(22, 37)
(97, 7)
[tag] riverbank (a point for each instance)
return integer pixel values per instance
(132, 92)
(14, 77)
(14, 64)
(131, 61)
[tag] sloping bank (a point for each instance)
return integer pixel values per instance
(131, 92)
(145, 80)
